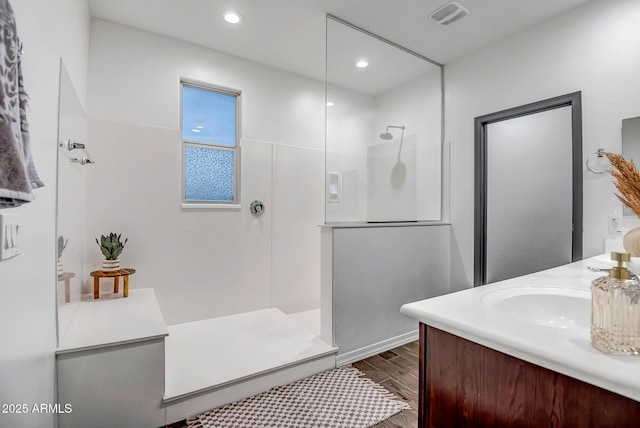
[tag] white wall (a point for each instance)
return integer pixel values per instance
(593, 49)
(370, 189)
(207, 263)
(49, 30)
(416, 104)
(134, 78)
(392, 187)
(348, 133)
(378, 269)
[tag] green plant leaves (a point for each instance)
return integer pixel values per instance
(111, 246)
(62, 244)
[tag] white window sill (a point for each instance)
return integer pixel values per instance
(211, 206)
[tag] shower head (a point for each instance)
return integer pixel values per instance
(388, 135)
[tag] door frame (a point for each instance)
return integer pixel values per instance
(573, 100)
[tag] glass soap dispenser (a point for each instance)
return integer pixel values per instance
(615, 310)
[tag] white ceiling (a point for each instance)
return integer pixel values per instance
(290, 34)
(388, 68)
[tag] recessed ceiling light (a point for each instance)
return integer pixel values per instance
(362, 64)
(329, 104)
(232, 17)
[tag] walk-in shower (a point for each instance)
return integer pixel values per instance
(384, 176)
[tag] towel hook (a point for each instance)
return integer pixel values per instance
(70, 145)
(81, 160)
(599, 155)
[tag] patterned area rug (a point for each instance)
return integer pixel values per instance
(339, 398)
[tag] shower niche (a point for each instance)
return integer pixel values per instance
(383, 130)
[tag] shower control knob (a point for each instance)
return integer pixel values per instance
(257, 208)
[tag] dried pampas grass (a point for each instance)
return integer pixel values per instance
(627, 181)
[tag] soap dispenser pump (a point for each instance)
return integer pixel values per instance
(615, 310)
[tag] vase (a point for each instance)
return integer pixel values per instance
(631, 242)
(110, 265)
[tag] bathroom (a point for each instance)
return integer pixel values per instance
(590, 49)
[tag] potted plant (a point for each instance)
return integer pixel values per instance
(62, 244)
(627, 183)
(111, 247)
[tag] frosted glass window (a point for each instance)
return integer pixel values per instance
(208, 174)
(210, 136)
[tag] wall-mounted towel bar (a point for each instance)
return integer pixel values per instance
(70, 145)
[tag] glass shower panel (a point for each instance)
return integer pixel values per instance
(383, 131)
(71, 196)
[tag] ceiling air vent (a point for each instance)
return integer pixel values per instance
(449, 13)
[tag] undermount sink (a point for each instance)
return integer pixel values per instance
(564, 308)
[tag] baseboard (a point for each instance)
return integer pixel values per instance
(374, 349)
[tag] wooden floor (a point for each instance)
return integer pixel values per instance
(397, 371)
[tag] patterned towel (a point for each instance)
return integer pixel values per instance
(18, 175)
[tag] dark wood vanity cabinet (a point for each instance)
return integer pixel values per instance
(464, 384)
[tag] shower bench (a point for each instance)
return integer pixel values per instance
(110, 363)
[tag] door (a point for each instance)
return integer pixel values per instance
(528, 189)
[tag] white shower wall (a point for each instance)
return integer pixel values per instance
(417, 105)
(204, 263)
(371, 189)
(348, 128)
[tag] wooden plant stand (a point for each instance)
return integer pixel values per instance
(115, 274)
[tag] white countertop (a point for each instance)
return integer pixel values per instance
(114, 320)
(564, 350)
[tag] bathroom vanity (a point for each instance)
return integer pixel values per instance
(518, 353)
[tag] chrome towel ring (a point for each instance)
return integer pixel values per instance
(598, 155)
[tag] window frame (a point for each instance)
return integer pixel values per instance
(184, 143)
